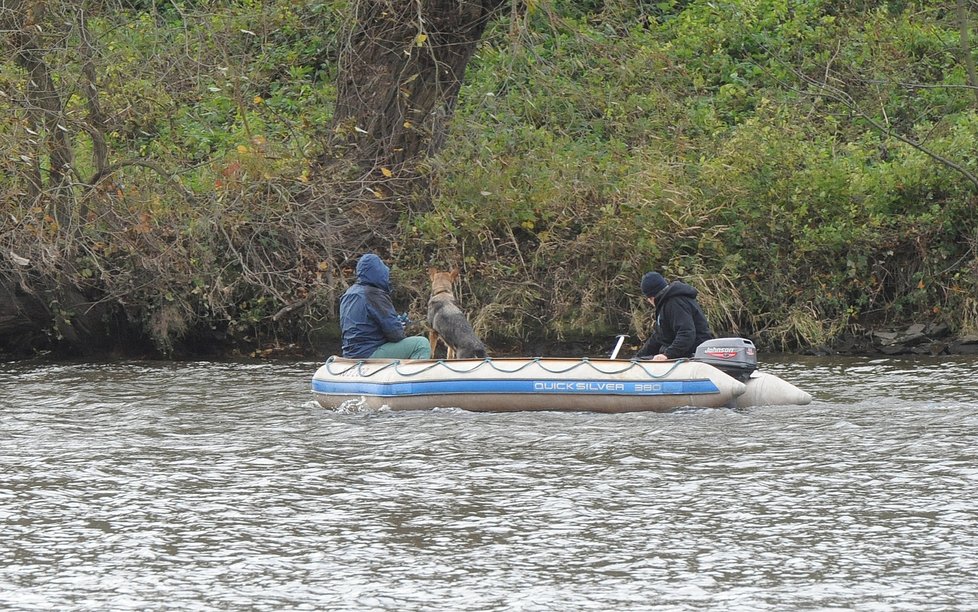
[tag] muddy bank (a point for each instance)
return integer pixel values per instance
(30, 328)
(916, 339)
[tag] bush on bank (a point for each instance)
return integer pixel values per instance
(729, 144)
(758, 150)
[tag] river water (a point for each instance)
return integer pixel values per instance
(216, 486)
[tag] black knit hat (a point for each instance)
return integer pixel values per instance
(652, 284)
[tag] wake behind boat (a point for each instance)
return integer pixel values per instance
(556, 384)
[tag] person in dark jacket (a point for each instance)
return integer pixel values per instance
(370, 325)
(680, 325)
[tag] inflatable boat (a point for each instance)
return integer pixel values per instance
(722, 374)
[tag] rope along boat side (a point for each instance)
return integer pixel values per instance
(538, 383)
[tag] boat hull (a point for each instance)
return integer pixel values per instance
(537, 384)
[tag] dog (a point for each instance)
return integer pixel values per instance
(447, 322)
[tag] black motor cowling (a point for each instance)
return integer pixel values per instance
(735, 357)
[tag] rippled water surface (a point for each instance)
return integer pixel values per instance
(208, 486)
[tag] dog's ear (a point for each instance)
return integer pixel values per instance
(454, 274)
(432, 271)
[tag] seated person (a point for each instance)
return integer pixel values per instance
(370, 325)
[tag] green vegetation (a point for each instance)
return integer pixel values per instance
(809, 166)
(731, 144)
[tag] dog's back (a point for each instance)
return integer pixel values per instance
(448, 322)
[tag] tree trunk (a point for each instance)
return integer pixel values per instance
(44, 105)
(399, 79)
(44, 302)
(964, 25)
(95, 125)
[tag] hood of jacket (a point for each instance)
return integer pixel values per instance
(675, 289)
(374, 272)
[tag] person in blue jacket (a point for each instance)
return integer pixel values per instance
(370, 325)
(680, 325)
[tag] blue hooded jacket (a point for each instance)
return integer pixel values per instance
(367, 315)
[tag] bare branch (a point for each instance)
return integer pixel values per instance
(846, 100)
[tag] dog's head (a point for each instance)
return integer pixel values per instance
(441, 282)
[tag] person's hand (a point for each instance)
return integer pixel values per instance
(403, 318)
(660, 357)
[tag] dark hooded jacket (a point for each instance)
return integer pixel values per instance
(367, 315)
(680, 325)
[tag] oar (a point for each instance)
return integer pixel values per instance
(621, 340)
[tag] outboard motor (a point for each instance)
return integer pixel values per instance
(735, 357)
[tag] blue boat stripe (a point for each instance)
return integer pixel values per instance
(702, 386)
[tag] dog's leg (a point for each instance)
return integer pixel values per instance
(433, 341)
(450, 352)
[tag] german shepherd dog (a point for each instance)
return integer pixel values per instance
(447, 322)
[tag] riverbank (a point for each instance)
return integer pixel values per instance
(917, 339)
(221, 214)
